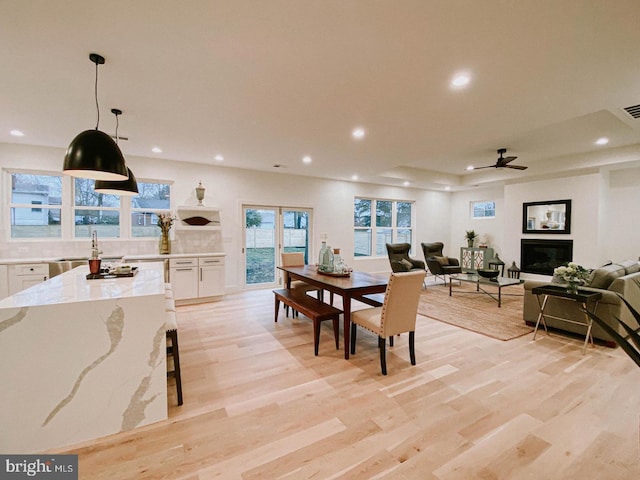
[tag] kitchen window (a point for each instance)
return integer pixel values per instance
(95, 211)
(152, 198)
(28, 220)
(378, 222)
(49, 205)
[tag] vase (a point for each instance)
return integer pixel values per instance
(470, 242)
(165, 244)
(572, 287)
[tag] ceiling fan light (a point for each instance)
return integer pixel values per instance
(127, 187)
(94, 154)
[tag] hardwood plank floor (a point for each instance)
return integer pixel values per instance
(259, 405)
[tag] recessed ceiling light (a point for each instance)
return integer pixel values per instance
(602, 141)
(156, 150)
(460, 80)
(358, 133)
(470, 167)
(354, 177)
(307, 159)
(17, 133)
(219, 158)
(406, 183)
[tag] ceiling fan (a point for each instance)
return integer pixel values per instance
(503, 162)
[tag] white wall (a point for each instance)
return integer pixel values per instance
(461, 221)
(604, 226)
(620, 214)
(586, 195)
(228, 189)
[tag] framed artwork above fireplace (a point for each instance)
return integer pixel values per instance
(552, 216)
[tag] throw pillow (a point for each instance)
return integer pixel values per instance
(630, 266)
(604, 276)
(406, 263)
(442, 260)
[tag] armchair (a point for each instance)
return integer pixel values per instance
(400, 260)
(438, 264)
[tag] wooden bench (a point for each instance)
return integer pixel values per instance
(310, 307)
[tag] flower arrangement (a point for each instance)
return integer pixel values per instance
(573, 274)
(165, 221)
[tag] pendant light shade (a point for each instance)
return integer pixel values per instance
(94, 154)
(118, 187)
(122, 187)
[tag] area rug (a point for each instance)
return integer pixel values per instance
(476, 311)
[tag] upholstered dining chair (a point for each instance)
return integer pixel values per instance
(296, 259)
(400, 260)
(396, 315)
(437, 263)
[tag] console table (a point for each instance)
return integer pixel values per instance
(585, 298)
(473, 259)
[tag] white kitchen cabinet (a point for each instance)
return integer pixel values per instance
(24, 275)
(184, 277)
(211, 276)
(196, 278)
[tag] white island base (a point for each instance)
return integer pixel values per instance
(82, 359)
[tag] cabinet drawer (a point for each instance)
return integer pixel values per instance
(211, 261)
(31, 269)
(183, 262)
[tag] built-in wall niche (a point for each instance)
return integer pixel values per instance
(552, 216)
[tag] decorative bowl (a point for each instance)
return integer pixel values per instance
(488, 273)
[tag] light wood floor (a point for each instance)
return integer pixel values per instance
(259, 405)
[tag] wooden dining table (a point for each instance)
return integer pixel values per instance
(356, 286)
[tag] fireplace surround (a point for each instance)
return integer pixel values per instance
(542, 256)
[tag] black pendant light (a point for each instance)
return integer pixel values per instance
(94, 154)
(118, 187)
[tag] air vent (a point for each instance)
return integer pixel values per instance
(633, 111)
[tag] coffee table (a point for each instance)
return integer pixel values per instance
(499, 282)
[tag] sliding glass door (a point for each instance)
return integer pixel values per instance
(269, 231)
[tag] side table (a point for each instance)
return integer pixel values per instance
(585, 298)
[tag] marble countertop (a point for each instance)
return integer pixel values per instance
(73, 286)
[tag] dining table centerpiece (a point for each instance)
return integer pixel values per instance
(165, 221)
(573, 275)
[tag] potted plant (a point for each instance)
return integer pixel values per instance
(470, 235)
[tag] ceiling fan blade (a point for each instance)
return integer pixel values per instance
(503, 161)
(517, 167)
(487, 166)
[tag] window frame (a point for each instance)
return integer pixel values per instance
(9, 205)
(67, 207)
(373, 226)
(133, 209)
(472, 209)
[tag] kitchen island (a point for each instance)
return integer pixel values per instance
(82, 359)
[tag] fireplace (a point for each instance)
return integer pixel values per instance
(542, 256)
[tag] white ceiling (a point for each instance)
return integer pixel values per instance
(266, 82)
